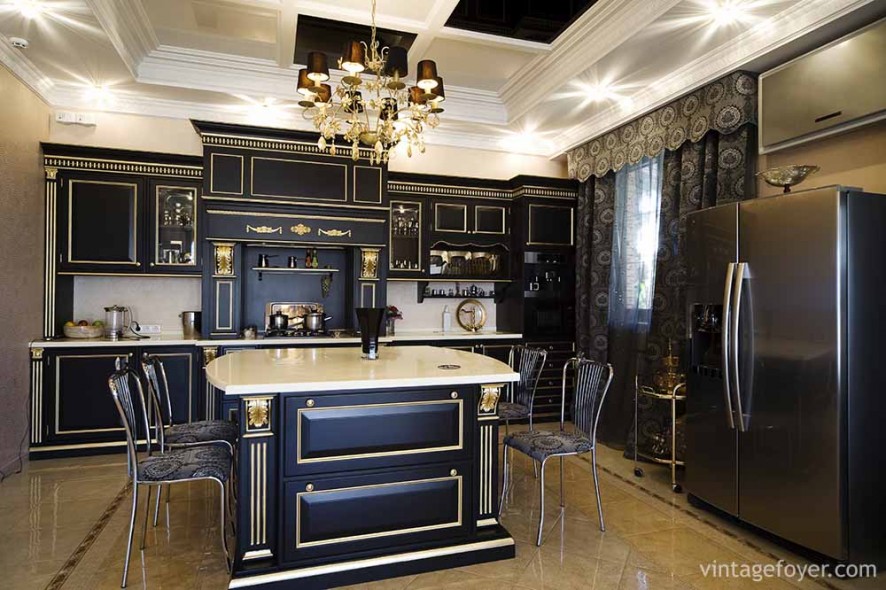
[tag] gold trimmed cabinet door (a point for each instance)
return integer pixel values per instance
(100, 223)
(174, 231)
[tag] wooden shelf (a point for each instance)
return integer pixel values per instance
(498, 295)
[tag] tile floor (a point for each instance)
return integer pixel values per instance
(64, 527)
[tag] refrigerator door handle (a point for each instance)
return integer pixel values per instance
(740, 275)
(724, 336)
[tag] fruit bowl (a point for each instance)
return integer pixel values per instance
(84, 331)
(787, 176)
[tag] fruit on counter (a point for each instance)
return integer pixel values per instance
(69, 324)
(98, 323)
(82, 323)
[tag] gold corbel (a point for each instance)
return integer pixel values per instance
(369, 263)
(36, 354)
(210, 353)
(258, 414)
(224, 259)
(489, 396)
(51, 172)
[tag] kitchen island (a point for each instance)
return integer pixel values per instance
(352, 470)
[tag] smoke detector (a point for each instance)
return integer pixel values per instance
(19, 43)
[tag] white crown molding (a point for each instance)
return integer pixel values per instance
(330, 11)
(24, 69)
(231, 74)
(493, 40)
(128, 27)
(784, 27)
(596, 33)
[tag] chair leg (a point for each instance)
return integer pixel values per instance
(504, 483)
(147, 516)
(562, 489)
(131, 532)
(597, 489)
(224, 522)
(541, 502)
(157, 502)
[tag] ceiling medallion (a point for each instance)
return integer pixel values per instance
(385, 113)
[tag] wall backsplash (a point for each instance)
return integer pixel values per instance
(152, 300)
(428, 315)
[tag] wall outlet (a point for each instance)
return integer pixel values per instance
(71, 118)
(148, 329)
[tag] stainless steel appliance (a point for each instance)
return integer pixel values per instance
(549, 295)
(191, 323)
(785, 391)
(115, 321)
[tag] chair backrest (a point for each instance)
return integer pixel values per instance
(158, 389)
(591, 381)
(528, 362)
(131, 407)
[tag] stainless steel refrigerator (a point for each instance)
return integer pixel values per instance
(786, 404)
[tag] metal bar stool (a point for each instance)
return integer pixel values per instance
(183, 435)
(592, 380)
(211, 463)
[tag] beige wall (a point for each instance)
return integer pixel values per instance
(177, 136)
(856, 158)
(24, 122)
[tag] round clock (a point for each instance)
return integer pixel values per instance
(471, 315)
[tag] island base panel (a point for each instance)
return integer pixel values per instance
(492, 543)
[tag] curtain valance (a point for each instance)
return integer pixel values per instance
(723, 105)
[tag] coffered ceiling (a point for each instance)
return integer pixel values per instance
(233, 60)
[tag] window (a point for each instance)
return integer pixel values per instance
(635, 243)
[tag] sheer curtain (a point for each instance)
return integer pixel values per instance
(635, 234)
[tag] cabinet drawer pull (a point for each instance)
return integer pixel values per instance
(309, 487)
(310, 403)
(454, 395)
(453, 472)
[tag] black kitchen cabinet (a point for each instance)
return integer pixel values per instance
(458, 221)
(73, 411)
(173, 224)
(408, 254)
(100, 222)
(550, 224)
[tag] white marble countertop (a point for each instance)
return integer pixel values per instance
(337, 369)
(173, 339)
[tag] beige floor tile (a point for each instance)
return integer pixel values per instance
(550, 570)
(632, 517)
(400, 583)
(680, 550)
(703, 582)
(636, 578)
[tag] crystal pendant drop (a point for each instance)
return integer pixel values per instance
(322, 143)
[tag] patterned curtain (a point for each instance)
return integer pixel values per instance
(708, 138)
(716, 170)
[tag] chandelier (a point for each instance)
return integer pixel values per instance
(373, 105)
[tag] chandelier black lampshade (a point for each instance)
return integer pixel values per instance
(305, 84)
(427, 74)
(397, 63)
(318, 68)
(353, 57)
(439, 92)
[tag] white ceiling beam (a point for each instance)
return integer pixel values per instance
(329, 11)
(129, 29)
(437, 16)
(287, 24)
(598, 32)
(487, 39)
(792, 23)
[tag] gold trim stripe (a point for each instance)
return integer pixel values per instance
(346, 566)
(123, 166)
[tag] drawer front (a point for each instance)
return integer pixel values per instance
(337, 515)
(225, 224)
(329, 433)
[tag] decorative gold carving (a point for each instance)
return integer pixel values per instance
(123, 167)
(51, 173)
(264, 229)
(334, 233)
(489, 395)
(258, 414)
(301, 229)
(209, 354)
(36, 354)
(369, 263)
(471, 315)
(224, 259)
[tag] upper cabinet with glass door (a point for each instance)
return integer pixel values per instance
(406, 255)
(174, 241)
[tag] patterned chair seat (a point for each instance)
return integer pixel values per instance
(512, 411)
(202, 431)
(541, 444)
(186, 463)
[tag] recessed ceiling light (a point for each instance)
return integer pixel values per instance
(727, 12)
(101, 95)
(29, 8)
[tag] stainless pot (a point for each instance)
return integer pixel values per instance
(278, 321)
(316, 321)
